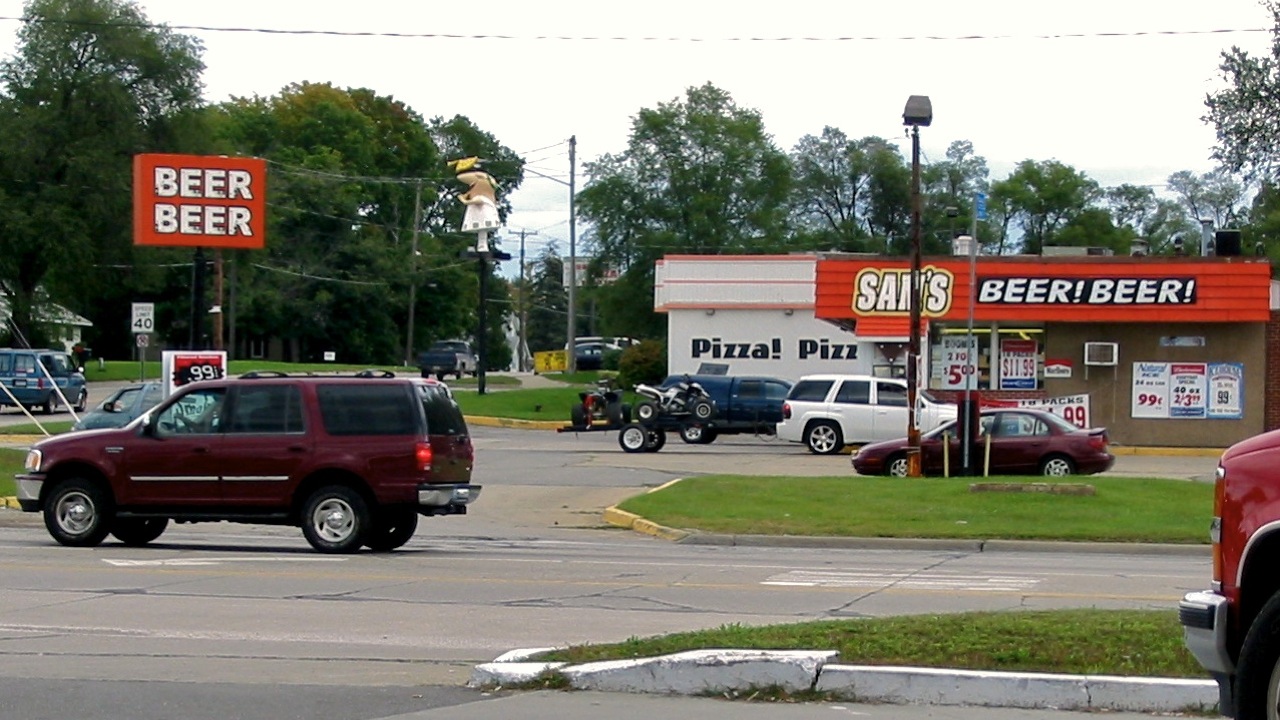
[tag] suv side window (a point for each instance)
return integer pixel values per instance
(811, 390)
(266, 409)
(443, 415)
(196, 413)
(366, 410)
(891, 394)
(854, 392)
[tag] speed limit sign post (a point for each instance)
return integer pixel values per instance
(142, 321)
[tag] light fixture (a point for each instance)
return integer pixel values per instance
(918, 113)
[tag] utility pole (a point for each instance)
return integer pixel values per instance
(413, 270)
(523, 310)
(571, 362)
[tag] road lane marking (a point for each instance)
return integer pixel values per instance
(927, 581)
(197, 562)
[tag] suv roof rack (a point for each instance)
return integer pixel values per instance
(253, 374)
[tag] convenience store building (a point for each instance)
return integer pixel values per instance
(1162, 351)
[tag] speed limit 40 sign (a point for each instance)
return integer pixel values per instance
(143, 319)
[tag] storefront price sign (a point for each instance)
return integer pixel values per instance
(181, 368)
(1150, 390)
(1017, 364)
(959, 361)
(1226, 391)
(1072, 408)
(1188, 390)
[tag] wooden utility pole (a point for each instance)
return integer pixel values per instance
(413, 271)
(571, 362)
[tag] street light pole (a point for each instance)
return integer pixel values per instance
(919, 111)
(571, 361)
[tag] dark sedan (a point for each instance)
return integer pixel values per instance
(1022, 442)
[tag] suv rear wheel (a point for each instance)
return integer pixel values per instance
(392, 527)
(138, 531)
(335, 519)
(824, 438)
(78, 513)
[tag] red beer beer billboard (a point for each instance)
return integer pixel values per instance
(199, 201)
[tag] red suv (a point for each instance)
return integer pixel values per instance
(353, 461)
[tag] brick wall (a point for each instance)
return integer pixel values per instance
(1272, 411)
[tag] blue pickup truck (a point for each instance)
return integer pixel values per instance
(744, 404)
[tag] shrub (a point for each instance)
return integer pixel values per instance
(611, 359)
(644, 362)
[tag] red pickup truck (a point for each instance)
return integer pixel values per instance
(1233, 629)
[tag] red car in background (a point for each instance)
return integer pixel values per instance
(1023, 442)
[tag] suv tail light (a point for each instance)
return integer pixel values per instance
(424, 455)
(786, 411)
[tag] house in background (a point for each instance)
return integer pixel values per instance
(63, 327)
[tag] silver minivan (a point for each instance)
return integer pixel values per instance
(828, 412)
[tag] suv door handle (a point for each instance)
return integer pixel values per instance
(297, 448)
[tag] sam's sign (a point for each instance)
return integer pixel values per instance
(888, 291)
(199, 201)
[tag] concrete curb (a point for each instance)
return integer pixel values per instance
(702, 672)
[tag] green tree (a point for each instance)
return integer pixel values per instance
(699, 175)
(1042, 198)
(1209, 196)
(830, 179)
(548, 304)
(1245, 113)
(92, 83)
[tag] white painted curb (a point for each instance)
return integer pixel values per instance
(701, 672)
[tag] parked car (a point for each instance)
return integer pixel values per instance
(743, 404)
(448, 357)
(29, 377)
(122, 406)
(1023, 442)
(352, 461)
(828, 412)
(590, 355)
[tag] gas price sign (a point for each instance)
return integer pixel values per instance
(180, 367)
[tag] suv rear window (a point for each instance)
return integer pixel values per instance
(366, 409)
(811, 390)
(443, 415)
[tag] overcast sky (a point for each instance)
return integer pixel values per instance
(1114, 88)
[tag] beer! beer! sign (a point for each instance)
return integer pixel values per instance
(199, 201)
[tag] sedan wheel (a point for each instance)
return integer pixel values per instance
(896, 466)
(1057, 466)
(823, 438)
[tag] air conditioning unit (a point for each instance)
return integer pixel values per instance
(1100, 353)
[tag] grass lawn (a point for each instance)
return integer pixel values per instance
(1109, 642)
(10, 465)
(1122, 510)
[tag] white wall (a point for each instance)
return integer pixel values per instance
(764, 342)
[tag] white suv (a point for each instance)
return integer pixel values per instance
(828, 412)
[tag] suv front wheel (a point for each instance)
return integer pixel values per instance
(335, 519)
(78, 513)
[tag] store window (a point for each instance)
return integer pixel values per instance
(1008, 358)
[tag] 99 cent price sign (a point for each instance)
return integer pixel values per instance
(183, 367)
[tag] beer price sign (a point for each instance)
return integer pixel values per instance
(183, 367)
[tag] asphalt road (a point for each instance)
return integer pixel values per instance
(219, 620)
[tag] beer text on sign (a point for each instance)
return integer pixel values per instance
(195, 200)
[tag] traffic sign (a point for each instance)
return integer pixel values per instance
(980, 203)
(142, 339)
(144, 319)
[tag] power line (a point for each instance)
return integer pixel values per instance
(638, 38)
